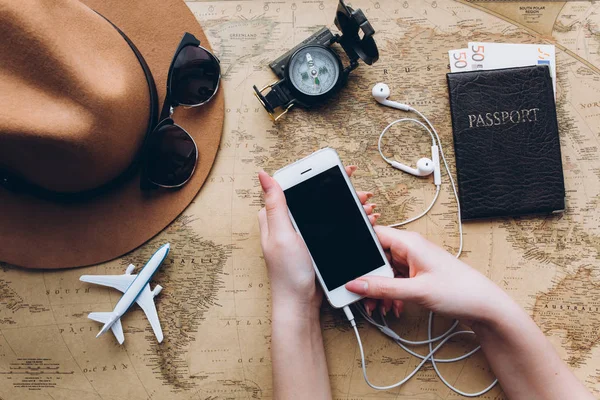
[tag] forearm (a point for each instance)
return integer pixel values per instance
(298, 355)
(523, 359)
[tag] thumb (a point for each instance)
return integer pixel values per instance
(379, 287)
(278, 219)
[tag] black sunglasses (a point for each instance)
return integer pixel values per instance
(170, 154)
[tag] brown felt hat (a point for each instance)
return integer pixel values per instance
(74, 111)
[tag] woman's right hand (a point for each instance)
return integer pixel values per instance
(522, 358)
(432, 278)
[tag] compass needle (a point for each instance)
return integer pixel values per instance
(314, 71)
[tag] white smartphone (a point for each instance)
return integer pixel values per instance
(326, 212)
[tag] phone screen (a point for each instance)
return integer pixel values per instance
(333, 228)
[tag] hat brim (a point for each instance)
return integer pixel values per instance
(41, 234)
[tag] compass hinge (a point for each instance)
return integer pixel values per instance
(274, 99)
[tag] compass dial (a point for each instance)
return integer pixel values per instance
(314, 70)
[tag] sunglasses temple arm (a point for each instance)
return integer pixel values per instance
(166, 109)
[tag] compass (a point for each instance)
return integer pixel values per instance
(312, 72)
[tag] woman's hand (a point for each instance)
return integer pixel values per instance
(432, 278)
(522, 358)
(288, 262)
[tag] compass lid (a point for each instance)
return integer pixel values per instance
(351, 22)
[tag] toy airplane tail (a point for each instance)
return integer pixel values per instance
(111, 320)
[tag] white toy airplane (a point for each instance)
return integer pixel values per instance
(135, 288)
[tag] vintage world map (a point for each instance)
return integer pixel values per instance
(215, 306)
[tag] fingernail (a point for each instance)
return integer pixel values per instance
(376, 215)
(358, 286)
(373, 205)
(368, 309)
(383, 311)
(353, 167)
(369, 195)
(264, 180)
(396, 312)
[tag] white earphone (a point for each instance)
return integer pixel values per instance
(425, 167)
(381, 92)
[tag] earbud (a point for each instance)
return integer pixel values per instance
(424, 167)
(381, 92)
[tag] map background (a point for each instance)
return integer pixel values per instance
(215, 309)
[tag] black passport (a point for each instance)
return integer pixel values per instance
(506, 143)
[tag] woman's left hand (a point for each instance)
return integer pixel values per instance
(288, 262)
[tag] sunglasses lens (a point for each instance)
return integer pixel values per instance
(171, 156)
(195, 76)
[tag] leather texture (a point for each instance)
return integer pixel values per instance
(506, 142)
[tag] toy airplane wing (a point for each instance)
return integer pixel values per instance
(119, 282)
(146, 301)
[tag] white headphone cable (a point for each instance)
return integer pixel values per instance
(435, 138)
(385, 329)
(460, 228)
(416, 217)
(445, 337)
(437, 187)
(384, 131)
